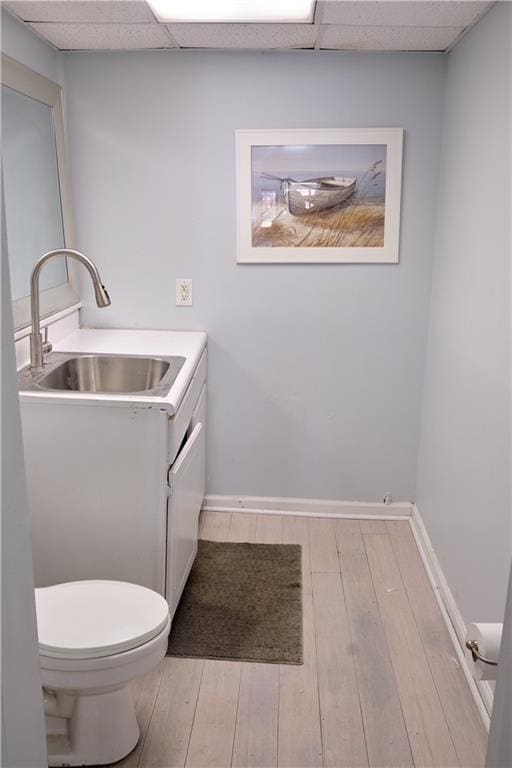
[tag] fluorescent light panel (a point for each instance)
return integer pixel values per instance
(231, 11)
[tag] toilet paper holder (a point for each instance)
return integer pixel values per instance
(472, 646)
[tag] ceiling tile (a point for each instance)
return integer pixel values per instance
(388, 38)
(402, 13)
(101, 11)
(73, 37)
(244, 35)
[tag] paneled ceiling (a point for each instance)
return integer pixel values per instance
(385, 25)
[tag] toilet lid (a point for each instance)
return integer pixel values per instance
(89, 619)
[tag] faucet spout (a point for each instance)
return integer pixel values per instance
(102, 298)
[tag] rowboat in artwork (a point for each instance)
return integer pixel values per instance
(315, 194)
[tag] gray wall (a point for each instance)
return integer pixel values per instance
(464, 464)
(23, 735)
(23, 45)
(315, 371)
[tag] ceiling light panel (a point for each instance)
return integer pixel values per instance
(104, 37)
(234, 11)
(80, 11)
(402, 13)
(243, 36)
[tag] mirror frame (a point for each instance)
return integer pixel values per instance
(24, 80)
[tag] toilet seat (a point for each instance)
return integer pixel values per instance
(94, 619)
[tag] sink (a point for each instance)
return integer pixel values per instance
(104, 374)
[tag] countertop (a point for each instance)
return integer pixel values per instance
(187, 344)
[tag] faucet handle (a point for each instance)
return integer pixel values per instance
(47, 345)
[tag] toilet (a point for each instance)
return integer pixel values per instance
(95, 637)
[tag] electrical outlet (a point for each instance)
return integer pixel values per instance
(184, 292)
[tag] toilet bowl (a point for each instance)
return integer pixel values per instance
(94, 638)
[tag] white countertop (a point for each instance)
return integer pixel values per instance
(187, 344)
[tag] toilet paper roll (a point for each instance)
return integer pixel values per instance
(488, 637)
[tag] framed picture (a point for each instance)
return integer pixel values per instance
(319, 195)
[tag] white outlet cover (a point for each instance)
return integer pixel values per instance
(184, 292)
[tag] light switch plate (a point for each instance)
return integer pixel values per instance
(184, 292)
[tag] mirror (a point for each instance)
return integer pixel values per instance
(29, 164)
(37, 209)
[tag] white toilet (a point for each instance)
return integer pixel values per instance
(94, 638)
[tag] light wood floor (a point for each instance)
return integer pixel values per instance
(380, 684)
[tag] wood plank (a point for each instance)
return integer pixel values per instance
(211, 740)
(386, 734)
(467, 730)
(343, 742)
(242, 528)
(348, 534)
(428, 732)
(295, 531)
(299, 738)
(144, 690)
(171, 724)
(215, 526)
(268, 529)
(373, 526)
(322, 545)
(255, 744)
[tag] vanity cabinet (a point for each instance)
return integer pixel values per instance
(115, 488)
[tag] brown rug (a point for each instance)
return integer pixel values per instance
(242, 601)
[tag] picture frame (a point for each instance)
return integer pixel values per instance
(318, 195)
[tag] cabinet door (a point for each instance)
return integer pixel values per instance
(199, 417)
(199, 414)
(186, 480)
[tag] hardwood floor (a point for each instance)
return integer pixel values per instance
(380, 684)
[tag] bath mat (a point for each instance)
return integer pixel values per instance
(242, 602)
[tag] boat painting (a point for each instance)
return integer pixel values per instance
(315, 194)
(318, 195)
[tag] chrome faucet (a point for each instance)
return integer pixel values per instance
(37, 347)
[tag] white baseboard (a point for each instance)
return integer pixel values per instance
(281, 505)
(481, 689)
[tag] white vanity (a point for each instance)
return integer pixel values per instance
(116, 481)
